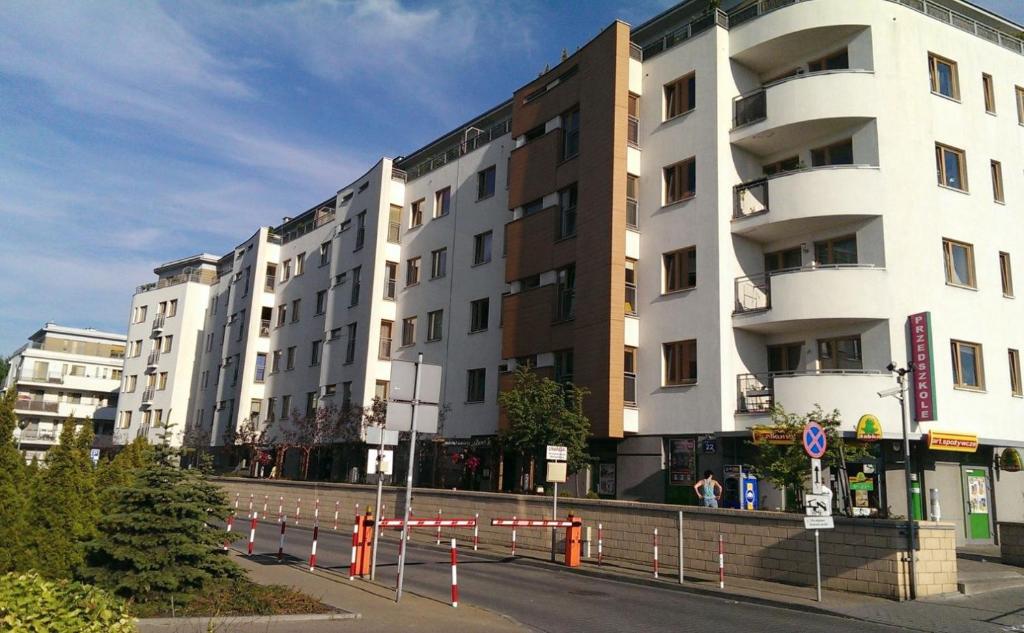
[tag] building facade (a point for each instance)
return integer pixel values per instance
(699, 218)
(64, 372)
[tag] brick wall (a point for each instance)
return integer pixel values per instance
(1011, 543)
(860, 555)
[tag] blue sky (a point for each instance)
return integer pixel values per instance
(134, 132)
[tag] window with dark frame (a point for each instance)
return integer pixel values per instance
(482, 248)
(360, 230)
(631, 286)
(442, 202)
(435, 325)
(316, 352)
(532, 207)
(680, 181)
(570, 134)
(408, 331)
(356, 286)
(567, 201)
(476, 380)
(290, 358)
(633, 121)
(836, 251)
(390, 279)
(680, 362)
(350, 344)
(632, 189)
(680, 96)
(485, 183)
(479, 314)
(438, 263)
(968, 366)
(943, 75)
(565, 281)
(1020, 104)
(325, 253)
(416, 214)
(564, 370)
(841, 352)
(839, 60)
(680, 269)
(412, 271)
(840, 153)
(321, 301)
(997, 181)
(384, 349)
(629, 377)
(1015, 381)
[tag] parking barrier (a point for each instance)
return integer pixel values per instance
(721, 562)
(265, 499)
(337, 504)
(312, 552)
(600, 544)
(476, 531)
(455, 578)
(655, 553)
(573, 525)
(280, 548)
(438, 527)
(280, 507)
(231, 524)
(298, 510)
(252, 531)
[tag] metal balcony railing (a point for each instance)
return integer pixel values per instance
(153, 358)
(384, 352)
(158, 324)
(147, 394)
(264, 327)
(750, 198)
(53, 377)
(398, 175)
(754, 292)
(394, 232)
(749, 108)
(459, 148)
(44, 406)
(699, 24)
(38, 435)
(635, 52)
(205, 277)
(755, 393)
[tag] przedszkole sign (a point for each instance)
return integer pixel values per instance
(923, 366)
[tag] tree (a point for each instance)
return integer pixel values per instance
(157, 540)
(541, 412)
(119, 471)
(5, 367)
(325, 425)
(787, 466)
(251, 434)
(13, 491)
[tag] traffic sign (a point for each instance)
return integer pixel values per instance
(558, 453)
(818, 505)
(814, 440)
(819, 523)
(816, 480)
(387, 461)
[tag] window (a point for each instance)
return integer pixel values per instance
(485, 183)
(840, 353)
(161, 383)
(1006, 274)
(261, 367)
(566, 293)
(395, 224)
(784, 260)
(840, 153)
(268, 281)
(125, 420)
(350, 344)
(316, 352)
(631, 286)
(291, 358)
(570, 134)
(633, 120)
(167, 341)
(295, 310)
(158, 417)
(442, 202)
(416, 214)
(130, 383)
(989, 91)
(535, 206)
(325, 253)
(300, 264)
(412, 271)
(951, 167)
(330, 390)
(275, 365)
(629, 377)
(478, 314)
(408, 331)
(534, 133)
(286, 407)
(390, 276)
(1015, 382)
(786, 357)
(282, 315)
(680, 362)
(632, 188)
(356, 278)
(968, 368)
(381, 389)
(567, 211)
(321, 301)
(475, 384)
(346, 396)
(335, 334)
(781, 166)
(1020, 105)
(140, 314)
(943, 76)
(384, 349)
(482, 248)
(438, 263)
(997, 181)
(311, 403)
(840, 60)
(680, 96)
(286, 270)
(360, 230)
(243, 325)
(959, 259)
(836, 251)
(435, 323)
(680, 269)
(172, 308)
(271, 408)
(255, 407)
(680, 181)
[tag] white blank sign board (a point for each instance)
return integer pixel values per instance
(403, 381)
(387, 462)
(400, 417)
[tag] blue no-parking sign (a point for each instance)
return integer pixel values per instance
(814, 440)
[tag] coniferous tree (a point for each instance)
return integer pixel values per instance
(13, 491)
(121, 470)
(155, 541)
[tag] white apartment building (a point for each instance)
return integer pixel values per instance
(715, 212)
(64, 372)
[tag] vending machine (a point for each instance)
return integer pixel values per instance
(740, 488)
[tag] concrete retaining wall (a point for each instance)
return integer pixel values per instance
(1011, 543)
(860, 555)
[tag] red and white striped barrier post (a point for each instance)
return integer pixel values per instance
(514, 538)
(355, 543)
(316, 512)
(250, 503)
(252, 531)
(721, 562)
(236, 502)
(227, 532)
(600, 544)
(266, 498)
(438, 527)
(655, 552)
(337, 504)
(476, 531)
(312, 552)
(455, 577)
(280, 507)
(280, 547)
(298, 510)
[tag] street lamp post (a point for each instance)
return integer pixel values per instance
(901, 395)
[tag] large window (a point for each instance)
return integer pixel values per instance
(633, 121)
(787, 259)
(836, 251)
(384, 349)
(997, 181)
(680, 96)
(261, 367)
(785, 357)
(944, 78)
(680, 180)
(356, 285)
(435, 325)
(316, 352)
(1015, 382)
(321, 301)
(680, 362)
(290, 358)
(629, 377)
(485, 183)
(570, 134)
(476, 380)
(1006, 274)
(840, 353)
(442, 202)
(840, 153)
(390, 277)
(408, 331)
(412, 271)
(275, 365)
(630, 286)
(968, 367)
(680, 269)
(325, 253)
(567, 211)
(951, 167)
(282, 314)
(632, 191)
(990, 95)
(438, 263)
(482, 248)
(350, 344)
(566, 293)
(395, 224)
(296, 304)
(479, 314)
(959, 260)
(416, 214)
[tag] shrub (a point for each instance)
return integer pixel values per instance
(30, 603)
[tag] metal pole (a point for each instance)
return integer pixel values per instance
(378, 514)
(682, 558)
(408, 479)
(817, 561)
(902, 378)
(554, 517)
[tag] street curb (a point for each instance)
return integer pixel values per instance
(253, 619)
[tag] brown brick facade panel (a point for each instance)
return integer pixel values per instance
(763, 545)
(531, 173)
(526, 319)
(551, 104)
(541, 250)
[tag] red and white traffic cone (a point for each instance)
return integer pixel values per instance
(455, 576)
(337, 504)
(312, 552)
(721, 562)
(355, 544)
(600, 544)
(476, 531)
(252, 531)
(438, 527)
(280, 547)
(655, 552)
(513, 538)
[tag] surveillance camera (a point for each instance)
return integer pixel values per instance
(889, 392)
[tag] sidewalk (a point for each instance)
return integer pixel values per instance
(374, 605)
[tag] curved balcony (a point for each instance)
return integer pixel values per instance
(807, 200)
(799, 110)
(818, 296)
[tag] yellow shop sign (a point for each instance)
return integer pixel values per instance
(772, 435)
(869, 428)
(957, 442)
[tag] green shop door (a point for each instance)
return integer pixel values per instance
(976, 496)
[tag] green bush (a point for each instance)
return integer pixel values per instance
(32, 604)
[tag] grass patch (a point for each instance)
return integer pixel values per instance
(233, 597)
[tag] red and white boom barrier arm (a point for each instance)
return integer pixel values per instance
(397, 523)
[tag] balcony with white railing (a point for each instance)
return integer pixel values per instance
(158, 325)
(36, 405)
(49, 378)
(264, 328)
(807, 199)
(147, 395)
(153, 360)
(34, 434)
(812, 296)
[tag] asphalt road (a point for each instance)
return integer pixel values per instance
(549, 600)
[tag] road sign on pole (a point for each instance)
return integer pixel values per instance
(816, 480)
(819, 523)
(814, 440)
(557, 453)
